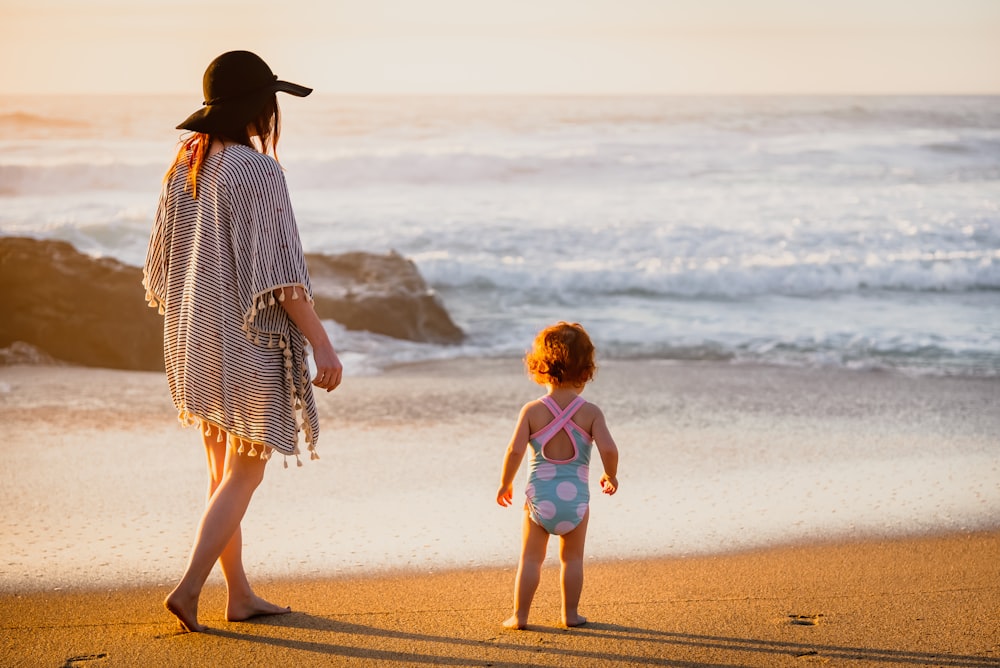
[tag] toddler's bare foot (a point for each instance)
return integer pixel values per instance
(576, 620)
(255, 606)
(185, 609)
(514, 623)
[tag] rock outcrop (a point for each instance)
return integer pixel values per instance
(76, 308)
(90, 311)
(380, 293)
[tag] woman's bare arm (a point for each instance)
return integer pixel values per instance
(329, 370)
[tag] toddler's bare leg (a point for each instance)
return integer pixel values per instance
(529, 572)
(571, 559)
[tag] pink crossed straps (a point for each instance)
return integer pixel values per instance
(563, 420)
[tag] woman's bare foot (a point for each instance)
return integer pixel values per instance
(185, 610)
(576, 620)
(255, 606)
(514, 623)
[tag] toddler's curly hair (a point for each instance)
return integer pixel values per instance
(561, 355)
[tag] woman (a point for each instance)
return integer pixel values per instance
(225, 267)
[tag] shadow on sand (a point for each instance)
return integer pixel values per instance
(372, 642)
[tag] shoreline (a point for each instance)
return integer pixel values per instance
(102, 485)
(925, 601)
(390, 573)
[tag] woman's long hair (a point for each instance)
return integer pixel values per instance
(260, 134)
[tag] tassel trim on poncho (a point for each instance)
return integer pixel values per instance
(296, 398)
(247, 446)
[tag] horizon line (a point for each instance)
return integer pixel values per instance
(567, 94)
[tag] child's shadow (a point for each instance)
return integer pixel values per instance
(778, 647)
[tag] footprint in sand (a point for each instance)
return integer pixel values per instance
(74, 661)
(812, 657)
(805, 620)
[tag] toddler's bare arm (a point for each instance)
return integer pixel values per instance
(512, 459)
(609, 453)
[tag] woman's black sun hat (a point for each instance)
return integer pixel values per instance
(237, 86)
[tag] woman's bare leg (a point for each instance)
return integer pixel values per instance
(529, 572)
(231, 559)
(241, 602)
(571, 560)
(218, 530)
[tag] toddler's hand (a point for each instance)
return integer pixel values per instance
(505, 495)
(609, 484)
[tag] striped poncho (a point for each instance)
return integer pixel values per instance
(234, 358)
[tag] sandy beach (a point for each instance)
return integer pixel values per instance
(917, 602)
(866, 503)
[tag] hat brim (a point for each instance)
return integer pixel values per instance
(289, 87)
(236, 113)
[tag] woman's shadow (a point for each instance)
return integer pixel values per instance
(349, 640)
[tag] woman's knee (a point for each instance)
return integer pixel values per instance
(254, 471)
(249, 470)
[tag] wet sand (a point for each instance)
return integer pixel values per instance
(932, 601)
(101, 485)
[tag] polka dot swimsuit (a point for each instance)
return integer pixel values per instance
(558, 491)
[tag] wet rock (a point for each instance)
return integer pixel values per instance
(76, 308)
(91, 311)
(384, 294)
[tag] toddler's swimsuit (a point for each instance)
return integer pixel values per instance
(558, 491)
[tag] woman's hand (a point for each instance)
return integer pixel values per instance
(329, 370)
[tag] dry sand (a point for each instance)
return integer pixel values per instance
(931, 601)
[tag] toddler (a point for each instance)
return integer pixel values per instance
(560, 428)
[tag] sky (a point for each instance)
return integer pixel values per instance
(510, 46)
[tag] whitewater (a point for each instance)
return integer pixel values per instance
(849, 232)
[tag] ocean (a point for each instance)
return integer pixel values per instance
(848, 232)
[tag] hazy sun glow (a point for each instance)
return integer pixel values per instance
(515, 46)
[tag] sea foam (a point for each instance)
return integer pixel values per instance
(859, 232)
